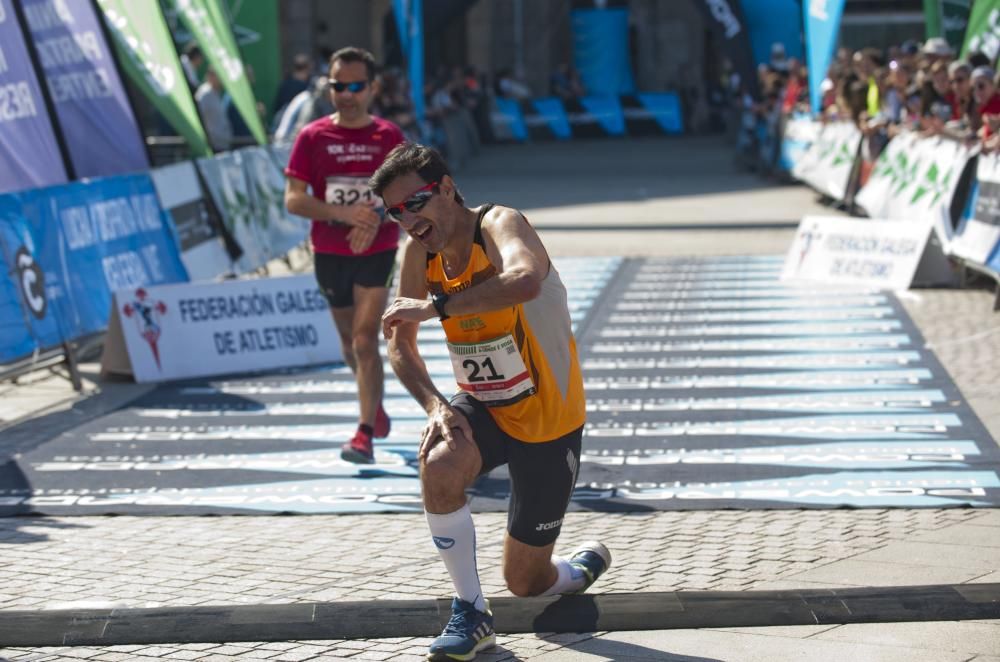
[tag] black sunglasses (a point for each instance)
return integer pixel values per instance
(355, 87)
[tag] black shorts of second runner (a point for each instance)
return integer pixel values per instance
(338, 274)
(542, 475)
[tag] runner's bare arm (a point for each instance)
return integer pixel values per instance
(402, 335)
(521, 260)
(299, 201)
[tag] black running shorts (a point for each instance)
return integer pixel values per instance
(542, 475)
(338, 274)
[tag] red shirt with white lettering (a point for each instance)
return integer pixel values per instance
(337, 162)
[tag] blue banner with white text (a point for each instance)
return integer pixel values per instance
(29, 153)
(91, 106)
(70, 247)
(822, 21)
(601, 52)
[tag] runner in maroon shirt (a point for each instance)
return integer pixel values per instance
(355, 251)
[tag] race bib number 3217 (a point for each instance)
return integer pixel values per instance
(350, 191)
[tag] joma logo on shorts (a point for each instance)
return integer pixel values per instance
(548, 525)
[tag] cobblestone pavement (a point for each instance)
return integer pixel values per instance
(178, 561)
(182, 561)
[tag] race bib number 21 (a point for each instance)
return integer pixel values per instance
(493, 371)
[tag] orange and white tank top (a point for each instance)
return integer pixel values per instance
(520, 361)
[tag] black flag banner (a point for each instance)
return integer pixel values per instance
(728, 24)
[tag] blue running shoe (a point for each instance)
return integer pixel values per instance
(592, 559)
(468, 632)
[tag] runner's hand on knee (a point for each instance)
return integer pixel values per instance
(441, 425)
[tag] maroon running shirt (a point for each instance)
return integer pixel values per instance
(337, 162)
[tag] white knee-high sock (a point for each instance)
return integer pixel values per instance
(455, 538)
(569, 579)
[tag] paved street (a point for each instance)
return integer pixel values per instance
(674, 196)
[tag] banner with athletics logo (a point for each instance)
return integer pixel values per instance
(199, 329)
(146, 53)
(101, 133)
(915, 179)
(28, 147)
(826, 165)
(205, 20)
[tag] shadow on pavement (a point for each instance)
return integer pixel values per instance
(605, 649)
(12, 529)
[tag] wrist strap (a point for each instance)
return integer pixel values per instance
(439, 301)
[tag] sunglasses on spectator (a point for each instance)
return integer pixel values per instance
(413, 202)
(354, 88)
(982, 85)
(959, 79)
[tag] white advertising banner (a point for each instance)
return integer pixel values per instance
(202, 249)
(283, 231)
(863, 252)
(915, 179)
(227, 183)
(202, 329)
(826, 165)
(979, 234)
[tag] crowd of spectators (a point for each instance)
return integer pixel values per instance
(917, 87)
(459, 103)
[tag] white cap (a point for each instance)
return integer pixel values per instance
(937, 46)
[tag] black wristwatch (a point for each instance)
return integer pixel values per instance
(439, 301)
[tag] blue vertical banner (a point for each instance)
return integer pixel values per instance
(29, 153)
(401, 11)
(91, 106)
(410, 24)
(772, 22)
(600, 50)
(822, 21)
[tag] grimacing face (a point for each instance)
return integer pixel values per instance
(430, 226)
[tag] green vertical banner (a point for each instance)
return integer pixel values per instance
(209, 25)
(932, 17)
(954, 21)
(255, 25)
(146, 53)
(983, 31)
